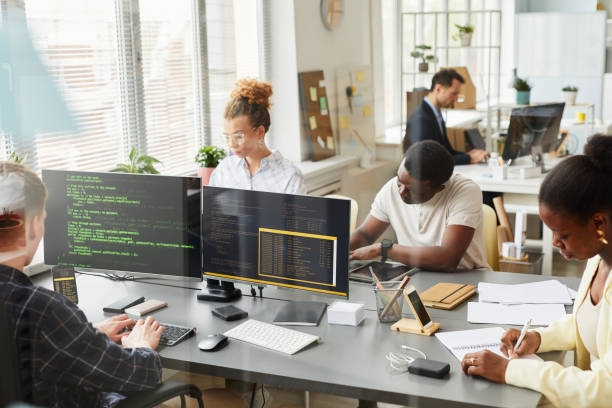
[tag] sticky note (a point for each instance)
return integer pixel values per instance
(367, 110)
(345, 122)
(358, 101)
(330, 143)
(313, 93)
(360, 76)
(321, 84)
(323, 105)
(320, 142)
(313, 122)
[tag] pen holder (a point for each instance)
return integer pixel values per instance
(389, 301)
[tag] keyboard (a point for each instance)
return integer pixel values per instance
(271, 337)
(175, 333)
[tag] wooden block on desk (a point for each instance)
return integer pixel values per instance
(412, 326)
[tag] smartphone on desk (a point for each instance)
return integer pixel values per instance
(360, 271)
(418, 308)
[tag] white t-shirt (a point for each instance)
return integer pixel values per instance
(419, 225)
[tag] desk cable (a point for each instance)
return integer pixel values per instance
(401, 361)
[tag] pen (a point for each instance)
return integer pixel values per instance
(522, 335)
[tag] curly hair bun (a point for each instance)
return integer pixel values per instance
(599, 151)
(254, 91)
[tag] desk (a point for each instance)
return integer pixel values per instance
(518, 194)
(350, 361)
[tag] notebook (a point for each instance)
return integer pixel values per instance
(463, 342)
(447, 295)
(300, 313)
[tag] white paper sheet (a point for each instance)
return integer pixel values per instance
(550, 291)
(495, 313)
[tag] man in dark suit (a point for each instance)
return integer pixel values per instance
(426, 122)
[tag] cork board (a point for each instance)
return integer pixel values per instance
(315, 109)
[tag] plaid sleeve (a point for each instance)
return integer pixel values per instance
(73, 353)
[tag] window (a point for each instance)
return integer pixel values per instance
(146, 73)
(429, 26)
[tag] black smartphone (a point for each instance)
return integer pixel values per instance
(229, 313)
(64, 282)
(429, 368)
(120, 305)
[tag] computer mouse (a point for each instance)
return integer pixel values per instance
(213, 342)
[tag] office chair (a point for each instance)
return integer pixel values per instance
(12, 389)
(489, 234)
(354, 209)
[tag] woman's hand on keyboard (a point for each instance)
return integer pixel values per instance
(114, 327)
(145, 333)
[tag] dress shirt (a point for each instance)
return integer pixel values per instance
(66, 362)
(275, 174)
(437, 113)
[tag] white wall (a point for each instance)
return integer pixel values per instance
(282, 71)
(319, 48)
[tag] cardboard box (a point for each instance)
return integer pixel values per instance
(414, 99)
(456, 137)
(467, 94)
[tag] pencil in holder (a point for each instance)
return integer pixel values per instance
(389, 301)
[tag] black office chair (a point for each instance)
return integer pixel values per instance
(13, 389)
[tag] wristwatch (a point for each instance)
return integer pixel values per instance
(384, 247)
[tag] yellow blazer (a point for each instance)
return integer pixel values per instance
(581, 386)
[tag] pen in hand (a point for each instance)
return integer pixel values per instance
(522, 335)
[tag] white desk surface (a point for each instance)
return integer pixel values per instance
(482, 175)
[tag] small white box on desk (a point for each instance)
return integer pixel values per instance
(346, 313)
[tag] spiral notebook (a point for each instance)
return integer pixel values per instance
(463, 342)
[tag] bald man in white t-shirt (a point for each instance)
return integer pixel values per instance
(437, 217)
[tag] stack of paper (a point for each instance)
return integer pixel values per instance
(543, 302)
(463, 342)
(550, 291)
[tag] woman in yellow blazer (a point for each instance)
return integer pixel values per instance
(575, 202)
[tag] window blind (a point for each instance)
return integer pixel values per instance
(146, 73)
(170, 104)
(77, 42)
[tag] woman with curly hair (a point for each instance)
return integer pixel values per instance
(576, 204)
(252, 165)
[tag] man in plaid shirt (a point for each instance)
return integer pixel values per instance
(66, 361)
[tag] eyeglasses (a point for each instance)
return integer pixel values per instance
(234, 138)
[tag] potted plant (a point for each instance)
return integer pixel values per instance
(569, 94)
(138, 164)
(12, 229)
(15, 158)
(421, 52)
(523, 89)
(208, 158)
(465, 34)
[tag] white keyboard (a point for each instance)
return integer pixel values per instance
(272, 337)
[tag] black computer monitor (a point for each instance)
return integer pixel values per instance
(531, 127)
(288, 240)
(124, 223)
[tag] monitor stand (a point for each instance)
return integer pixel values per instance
(219, 291)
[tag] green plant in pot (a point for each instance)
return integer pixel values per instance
(141, 164)
(12, 230)
(464, 33)
(208, 159)
(523, 90)
(421, 52)
(569, 94)
(15, 158)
